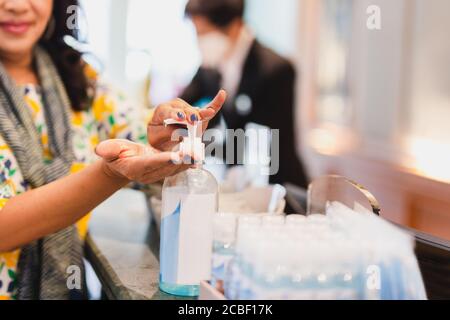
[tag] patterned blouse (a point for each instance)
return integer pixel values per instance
(110, 117)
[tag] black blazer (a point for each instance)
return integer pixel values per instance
(267, 82)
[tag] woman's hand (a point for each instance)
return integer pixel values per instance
(160, 136)
(32, 215)
(129, 161)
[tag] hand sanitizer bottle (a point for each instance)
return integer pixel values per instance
(189, 203)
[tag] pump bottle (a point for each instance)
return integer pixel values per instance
(189, 202)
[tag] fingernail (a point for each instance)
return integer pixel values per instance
(187, 160)
(194, 118)
(180, 115)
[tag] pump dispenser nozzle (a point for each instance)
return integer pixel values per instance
(192, 144)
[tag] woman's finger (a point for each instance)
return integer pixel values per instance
(160, 135)
(180, 110)
(111, 150)
(167, 111)
(211, 110)
(192, 113)
(156, 173)
(151, 161)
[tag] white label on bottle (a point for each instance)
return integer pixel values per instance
(186, 237)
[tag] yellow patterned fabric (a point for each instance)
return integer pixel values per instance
(110, 117)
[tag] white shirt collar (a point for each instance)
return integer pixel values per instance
(231, 69)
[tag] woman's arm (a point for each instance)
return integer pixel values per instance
(53, 207)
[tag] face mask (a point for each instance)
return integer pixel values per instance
(213, 47)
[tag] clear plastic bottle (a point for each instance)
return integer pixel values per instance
(189, 202)
(223, 247)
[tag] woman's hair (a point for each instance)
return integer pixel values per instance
(219, 12)
(68, 60)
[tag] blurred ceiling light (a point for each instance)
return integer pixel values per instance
(430, 158)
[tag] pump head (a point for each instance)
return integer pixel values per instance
(192, 144)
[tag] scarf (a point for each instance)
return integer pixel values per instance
(43, 265)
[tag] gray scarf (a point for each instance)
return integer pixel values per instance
(42, 269)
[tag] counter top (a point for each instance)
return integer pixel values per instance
(123, 248)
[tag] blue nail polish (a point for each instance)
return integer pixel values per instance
(180, 115)
(194, 118)
(187, 159)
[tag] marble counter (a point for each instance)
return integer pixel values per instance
(123, 248)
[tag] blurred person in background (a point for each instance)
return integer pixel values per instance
(67, 143)
(260, 83)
